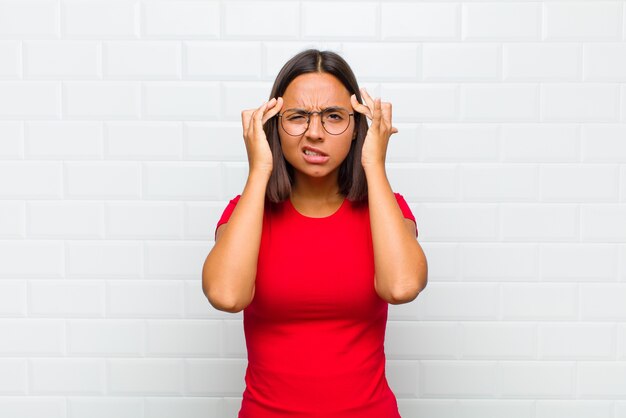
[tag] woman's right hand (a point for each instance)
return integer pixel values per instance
(257, 146)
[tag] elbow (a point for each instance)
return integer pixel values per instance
(225, 304)
(224, 301)
(407, 294)
(226, 307)
(403, 296)
(220, 297)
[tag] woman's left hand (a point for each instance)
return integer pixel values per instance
(375, 145)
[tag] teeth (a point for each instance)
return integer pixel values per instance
(309, 152)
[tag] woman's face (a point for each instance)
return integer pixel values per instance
(316, 153)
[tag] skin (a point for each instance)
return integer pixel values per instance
(400, 263)
(401, 270)
(315, 190)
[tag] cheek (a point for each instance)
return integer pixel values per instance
(289, 147)
(346, 149)
(346, 143)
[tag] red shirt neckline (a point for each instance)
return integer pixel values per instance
(332, 215)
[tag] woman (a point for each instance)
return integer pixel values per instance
(315, 247)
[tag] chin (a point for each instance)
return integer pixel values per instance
(315, 172)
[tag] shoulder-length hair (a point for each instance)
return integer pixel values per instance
(352, 181)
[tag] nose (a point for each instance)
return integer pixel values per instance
(315, 129)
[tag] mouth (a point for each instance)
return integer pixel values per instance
(314, 156)
(313, 152)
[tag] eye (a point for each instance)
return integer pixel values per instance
(295, 117)
(335, 116)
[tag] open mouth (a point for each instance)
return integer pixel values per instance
(314, 156)
(309, 152)
(313, 152)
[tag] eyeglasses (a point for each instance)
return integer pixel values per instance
(335, 120)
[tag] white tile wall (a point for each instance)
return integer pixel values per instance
(67, 375)
(172, 19)
(184, 407)
(143, 140)
(101, 100)
(104, 407)
(99, 18)
(29, 19)
(120, 145)
(575, 408)
(30, 99)
(502, 21)
(588, 21)
(32, 406)
(61, 59)
(142, 59)
(63, 140)
(13, 376)
(146, 376)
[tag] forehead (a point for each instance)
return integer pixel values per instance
(316, 90)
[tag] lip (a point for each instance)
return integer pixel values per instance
(315, 150)
(315, 159)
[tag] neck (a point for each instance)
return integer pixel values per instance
(306, 188)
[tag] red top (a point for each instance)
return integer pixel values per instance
(316, 327)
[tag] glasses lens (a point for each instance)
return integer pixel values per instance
(294, 123)
(335, 121)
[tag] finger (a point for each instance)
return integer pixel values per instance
(257, 117)
(270, 103)
(246, 115)
(386, 113)
(275, 108)
(363, 109)
(368, 99)
(377, 113)
(394, 130)
(253, 119)
(359, 107)
(252, 112)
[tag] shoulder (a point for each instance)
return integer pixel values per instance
(228, 210)
(399, 197)
(404, 206)
(407, 213)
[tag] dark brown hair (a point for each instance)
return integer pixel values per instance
(352, 181)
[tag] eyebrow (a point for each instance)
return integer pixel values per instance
(298, 110)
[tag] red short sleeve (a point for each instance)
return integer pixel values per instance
(406, 210)
(227, 212)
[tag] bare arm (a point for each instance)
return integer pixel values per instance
(400, 264)
(229, 271)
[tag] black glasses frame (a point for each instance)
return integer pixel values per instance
(308, 122)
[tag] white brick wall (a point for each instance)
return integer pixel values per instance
(120, 144)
